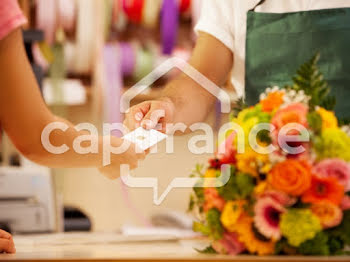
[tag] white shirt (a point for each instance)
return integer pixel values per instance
(226, 20)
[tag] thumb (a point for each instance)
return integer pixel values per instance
(153, 117)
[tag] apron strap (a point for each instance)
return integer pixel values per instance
(258, 4)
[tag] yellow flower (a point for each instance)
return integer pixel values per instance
(260, 188)
(253, 163)
(232, 211)
(210, 173)
(329, 120)
(246, 235)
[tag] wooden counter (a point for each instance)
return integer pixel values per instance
(109, 248)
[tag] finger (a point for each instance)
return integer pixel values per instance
(4, 234)
(153, 117)
(7, 246)
(137, 114)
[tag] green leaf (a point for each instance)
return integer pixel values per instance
(207, 250)
(214, 224)
(315, 121)
(318, 246)
(343, 230)
(201, 228)
(239, 186)
(213, 227)
(312, 82)
(191, 204)
(238, 107)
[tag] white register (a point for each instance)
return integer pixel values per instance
(27, 203)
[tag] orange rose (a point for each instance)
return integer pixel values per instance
(291, 176)
(272, 102)
(329, 214)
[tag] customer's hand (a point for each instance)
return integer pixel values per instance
(6, 243)
(151, 115)
(131, 156)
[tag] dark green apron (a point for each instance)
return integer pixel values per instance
(278, 44)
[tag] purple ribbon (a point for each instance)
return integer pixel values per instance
(128, 59)
(169, 25)
(114, 84)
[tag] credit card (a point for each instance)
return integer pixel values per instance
(145, 139)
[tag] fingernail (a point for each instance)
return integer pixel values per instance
(148, 124)
(138, 116)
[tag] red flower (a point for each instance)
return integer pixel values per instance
(324, 189)
(213, 200)
(229, 244)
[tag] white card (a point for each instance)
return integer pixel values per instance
(145, 139)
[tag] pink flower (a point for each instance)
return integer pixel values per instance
(294, 114)
(229, 244)
(267, 217)
(281, 197)
(226, 151)
(336, 168)
(345, 204)
(213, 200)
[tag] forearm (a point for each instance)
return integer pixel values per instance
(191, 100)
(70, 158)
(24, 115)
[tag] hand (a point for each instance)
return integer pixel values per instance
(130, 157)
(6, 243)
(151, 115)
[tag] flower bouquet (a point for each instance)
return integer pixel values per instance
(288, 189)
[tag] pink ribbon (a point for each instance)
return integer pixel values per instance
(46, 18)
(67, 14)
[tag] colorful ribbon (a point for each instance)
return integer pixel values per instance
(134, 8)
(151, 11)
(46, 18)
(85, 36)
(67, 14)
(185, 5)
(128, 58)
(144, 63)
(169, 25)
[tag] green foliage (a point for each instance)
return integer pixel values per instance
(318, 246)
(213, 227)
(344, 121)
(315, 122)
(201, 228)
(336, 245)
(197, 197)
(283, 248)
(342, 232)
(214, 224)
(207, 250)
(312, 82)
(238, 107)
(239, 186)
(197, 171)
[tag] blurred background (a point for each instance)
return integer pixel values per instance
(85, 55)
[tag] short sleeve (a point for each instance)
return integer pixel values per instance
(11, 17)
(215, 19)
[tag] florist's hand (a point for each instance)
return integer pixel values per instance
(6, 243)
(131, 156)
(151, 115)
